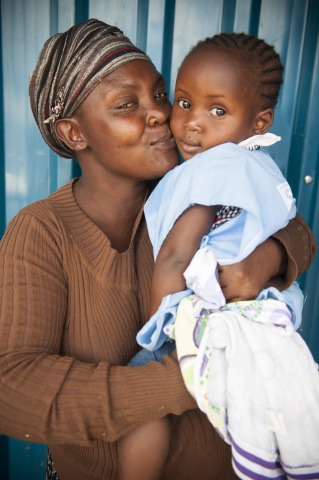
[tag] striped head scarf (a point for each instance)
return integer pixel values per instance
(70, 66)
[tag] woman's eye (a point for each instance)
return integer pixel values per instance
(184, 104)
(162, 95)
(126, 105)
(217, 112)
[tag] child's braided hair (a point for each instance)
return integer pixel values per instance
(259, 58)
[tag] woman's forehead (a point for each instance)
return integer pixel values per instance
(132, 75)
(132, 78)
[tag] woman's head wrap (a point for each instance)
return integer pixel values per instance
(70, 66)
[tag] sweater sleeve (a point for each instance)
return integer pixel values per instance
(300, 246)
(49, 398)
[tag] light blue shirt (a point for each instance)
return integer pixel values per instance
(224, 175)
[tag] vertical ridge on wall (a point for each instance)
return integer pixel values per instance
(53, 17)
(254, 17)
(141, 26)
(53, 158)
(228, 16)
(308, 192)
(303, 97)
(81, 14)
(169, 17)
(2, 153)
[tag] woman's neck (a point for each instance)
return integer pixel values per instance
(113, 207)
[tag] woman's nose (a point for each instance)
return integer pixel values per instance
(158, 114)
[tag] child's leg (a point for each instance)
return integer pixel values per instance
(143, 452)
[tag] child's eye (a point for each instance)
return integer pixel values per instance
(217, 112)
(184, 104)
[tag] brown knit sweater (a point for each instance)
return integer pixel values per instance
(70, 308)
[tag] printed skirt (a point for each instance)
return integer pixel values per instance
(50, 472)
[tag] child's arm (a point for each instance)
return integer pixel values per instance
(177, 251)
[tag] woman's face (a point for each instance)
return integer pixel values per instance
(125, 123)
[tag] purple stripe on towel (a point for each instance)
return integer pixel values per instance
(269, 465)
(254, 459)
(204, 364)
(304, 476)
(254, 475)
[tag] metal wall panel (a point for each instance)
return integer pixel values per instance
(166, 29)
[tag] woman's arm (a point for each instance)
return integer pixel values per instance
(276, 262)
(177, 251)
(48, 397)
(300, 249)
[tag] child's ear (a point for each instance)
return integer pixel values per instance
(68, 131)
(263, 121)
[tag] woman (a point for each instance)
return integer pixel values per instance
(76, 270)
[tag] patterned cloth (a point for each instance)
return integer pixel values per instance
(50, 472)
(256, 380)
(223, 214)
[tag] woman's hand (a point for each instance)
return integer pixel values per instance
(245, 280)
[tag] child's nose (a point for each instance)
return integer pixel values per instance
(194, 123)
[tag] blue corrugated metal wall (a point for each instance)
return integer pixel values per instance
(166, 29)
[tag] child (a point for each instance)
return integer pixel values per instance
(226, 90)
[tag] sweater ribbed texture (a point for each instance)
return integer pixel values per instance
(70, 308)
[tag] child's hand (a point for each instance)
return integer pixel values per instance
(245, 280)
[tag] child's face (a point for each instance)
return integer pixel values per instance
(213, 103)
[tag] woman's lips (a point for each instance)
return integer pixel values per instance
(163, 141)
